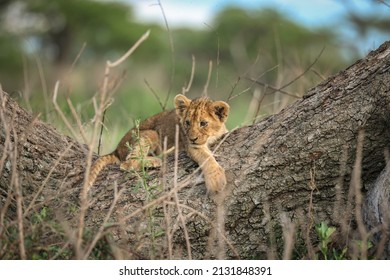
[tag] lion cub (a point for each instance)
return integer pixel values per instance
(201, 122)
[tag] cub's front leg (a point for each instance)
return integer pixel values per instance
(214, 174)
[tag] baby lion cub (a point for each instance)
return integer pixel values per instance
(201, 122)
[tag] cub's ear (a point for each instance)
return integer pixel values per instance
(221, 110)
(181, 104)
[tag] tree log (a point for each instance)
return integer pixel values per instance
(321, 159)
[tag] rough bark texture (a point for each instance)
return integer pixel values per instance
(285, 174)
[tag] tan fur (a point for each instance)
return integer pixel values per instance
(201, 122)
(99, 164)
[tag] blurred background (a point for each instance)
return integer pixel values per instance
(250, 48)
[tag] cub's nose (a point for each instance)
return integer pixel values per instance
(193, 140)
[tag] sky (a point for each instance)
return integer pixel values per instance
(312, 13)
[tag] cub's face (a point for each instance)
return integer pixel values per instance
(202, 119)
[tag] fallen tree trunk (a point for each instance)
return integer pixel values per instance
(321, 159)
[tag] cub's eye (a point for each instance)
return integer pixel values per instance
(203, 123)
(188, 123)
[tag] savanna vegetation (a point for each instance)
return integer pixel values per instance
(45, 41)
(259, 61)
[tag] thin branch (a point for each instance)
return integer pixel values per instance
(258, 105)
(357, 185)
(99, 233)
(130, 51)
(233, 88)
(59, 111)
(187, 89)
(218, 55)
(99, 110)
(6, 128)
(383, 2)
(172, 46)
(207, 219)
(166, 209)
(44, 182)
(304, 72)
(113, 86)
(274, 88)
(176, 197)
(218, 62)
(293, 80)
(154, 94)
(322, 77)
(77, 119)
(26, 92)
(244, 74)
(77, 58)
(253, 83)
(289, 231)
(101, 132)
(208, 78)
(43, 83)
(18, 193)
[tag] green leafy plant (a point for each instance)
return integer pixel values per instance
(339, 255)
(151, 188)
(324, 233)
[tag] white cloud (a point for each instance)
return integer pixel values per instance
(188, 13)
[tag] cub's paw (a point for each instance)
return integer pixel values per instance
(137, 165)
(152, 162)
(215, 179)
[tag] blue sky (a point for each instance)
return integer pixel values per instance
(312, 13)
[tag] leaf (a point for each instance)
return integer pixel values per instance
(329, 232)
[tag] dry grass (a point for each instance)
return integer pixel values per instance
(29, 229)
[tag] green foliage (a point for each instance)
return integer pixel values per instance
(324, 234)
(103, 26)
(43, 52)
(41, 46)
(340, 255)
(108, 29)
(151, 190)
(361, 246)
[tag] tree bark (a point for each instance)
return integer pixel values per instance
(321, 159)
